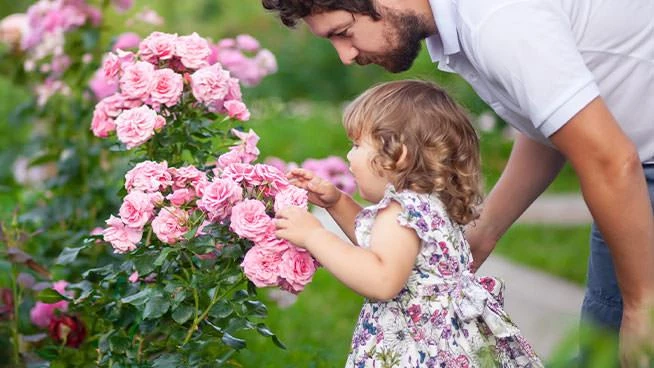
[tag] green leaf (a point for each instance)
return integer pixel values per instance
(162, 256)
(156, 307)
(233, 342)
(49, 296)
(278, 342)
(144, 265)
(264, 331)
(167, 361)
(137, 299)
(49, 352)
(256, 308)
(221, 310)
(68, 255)
(183, 313)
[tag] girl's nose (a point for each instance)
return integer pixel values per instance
(346, 51)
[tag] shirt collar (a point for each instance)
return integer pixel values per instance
(445, 42)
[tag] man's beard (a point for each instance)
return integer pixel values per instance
(404, 32)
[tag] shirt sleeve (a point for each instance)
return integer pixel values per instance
(529, 50)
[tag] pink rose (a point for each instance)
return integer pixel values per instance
(137, 80)
(41, 314)
(218, 198)
(101, 124)
(231, 157)
(210, 86)
(185, 176)
(247, 43)
(250, 221)
(158, 46)
(167, 87)
(122, 238)
(181, 196)
(270, 177)
(148, 176)
(101, 86)
(296, 269)
(291, 196)
(233, 90)
(122, 5)
(137, 209)
(261, 266)
(237, 110)
(127, 40)
(135, 126)
(238, 172)
(170, 225)
(134, 277)
(266, 61)
(193, 51)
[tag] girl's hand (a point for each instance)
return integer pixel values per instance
(322, 192)
(296, 225)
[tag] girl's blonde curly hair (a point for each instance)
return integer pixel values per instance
(419, 120)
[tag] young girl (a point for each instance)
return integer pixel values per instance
(415, 156)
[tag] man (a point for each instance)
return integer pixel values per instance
(575, 77)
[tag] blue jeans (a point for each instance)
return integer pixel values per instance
(603, 303)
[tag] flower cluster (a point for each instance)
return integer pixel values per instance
(233, 53)
(237, 196)
(332, 168)
(167, 71)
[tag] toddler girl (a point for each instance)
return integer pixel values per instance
(415, 156)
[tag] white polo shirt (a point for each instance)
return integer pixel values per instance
(538, 62)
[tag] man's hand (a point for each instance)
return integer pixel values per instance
(296, 225)
(481, 246)
(322, 192)
(637, 337)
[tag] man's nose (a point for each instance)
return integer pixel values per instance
(346, 51)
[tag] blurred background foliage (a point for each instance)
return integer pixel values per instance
(297, 114)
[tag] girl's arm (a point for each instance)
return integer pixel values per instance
(378, 272)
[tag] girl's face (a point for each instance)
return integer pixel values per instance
(370, 183)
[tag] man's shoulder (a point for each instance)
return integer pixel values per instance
(474, 13)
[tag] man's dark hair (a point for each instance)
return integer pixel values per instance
(292, 10)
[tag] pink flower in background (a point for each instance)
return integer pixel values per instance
(266, 61)
(122, 5)
(250, 221)
(135, 126)
(167, 87)
(218, 198)
(170, 225)
(127, 40)
(13, 29)
(193, 51)
(158, 46)
(247, 43)
(122, 238)
(334, 169)
(41, 314)
(148, 176)
(101, 124)
(296, 268)
(280, 164)
(291, 196)
(136, 210)
(101, 86)
(137, 80)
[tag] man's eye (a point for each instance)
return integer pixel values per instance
(343, 33)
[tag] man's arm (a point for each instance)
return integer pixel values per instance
(612, 182)
(531, 168)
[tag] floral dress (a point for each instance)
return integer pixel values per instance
(443, 317)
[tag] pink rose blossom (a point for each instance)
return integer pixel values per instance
(250, 221)
(237, 110)
(101, 86)
(266, 61)
(296, 269)
(137, 80)
(158, 46)
(167, 87)
(136, 126)
(218, 198)
(122, 238)
(122, 5)
(170, 225)
(233, 90)
(159, 123)
(261, 266)
(127, 40)
(186, 176)
(231, 157)
(101, 124)
(247, 43)
(41, 314)
(181, 196)
(134, 277)
(238, 172)
(270, 177)
(137, 209)
(193, 51)
(210, 86)
(148, 176)
(291, 196)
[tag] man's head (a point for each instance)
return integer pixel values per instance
(382, 32)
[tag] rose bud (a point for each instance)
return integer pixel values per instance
(68, 329)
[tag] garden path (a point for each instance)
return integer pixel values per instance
(545, 307)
